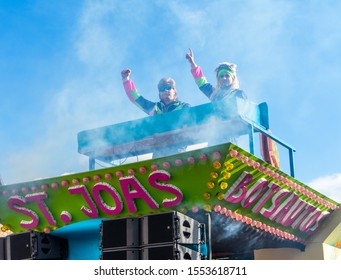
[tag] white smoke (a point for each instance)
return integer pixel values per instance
(329, 185)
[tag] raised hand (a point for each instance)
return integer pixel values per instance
(190, 58)
(125, 73)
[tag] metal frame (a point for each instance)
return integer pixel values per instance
(291, 149)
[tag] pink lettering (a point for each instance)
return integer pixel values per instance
(272, 189)
(15, 203)
(238, 190)
(308, 209)
(310, 219)
(39, 198)
(276, 202)
(284, 208)
(323, 215)
(91, 212)
(138, 192)
(293, 213)
(113, 193)
(254, 193)
(165, 176)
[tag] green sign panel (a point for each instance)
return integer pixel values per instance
(223, 178)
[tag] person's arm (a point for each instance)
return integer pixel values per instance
(198, 75)
(129, 86)
(133, 95)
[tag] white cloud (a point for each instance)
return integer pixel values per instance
(329, 185)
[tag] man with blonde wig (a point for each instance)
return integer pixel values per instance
(167, 94)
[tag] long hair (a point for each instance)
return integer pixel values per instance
(231, 67)
(218, 92)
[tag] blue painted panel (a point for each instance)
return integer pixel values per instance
(83, 239)
(238, 110)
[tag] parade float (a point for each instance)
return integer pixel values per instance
(216, 202)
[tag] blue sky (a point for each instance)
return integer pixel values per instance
(60, 64)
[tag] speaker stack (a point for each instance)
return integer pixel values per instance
(162, 236)
(120, 239)
(33, 246)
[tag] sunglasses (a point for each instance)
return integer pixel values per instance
(161, 89)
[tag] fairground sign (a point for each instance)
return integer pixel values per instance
(222, 178)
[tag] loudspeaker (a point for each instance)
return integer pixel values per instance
(116, 233)
(169, 227)
(121, 254)
(170, 251)
(2, 248)
(18, 246)
(160, 236)
(36, 246)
